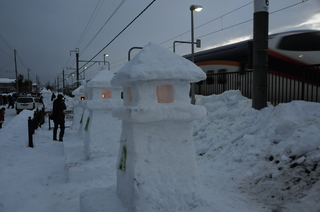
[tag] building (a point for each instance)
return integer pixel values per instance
(7, 85)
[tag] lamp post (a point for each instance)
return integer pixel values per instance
(104, 60)
(193, 8)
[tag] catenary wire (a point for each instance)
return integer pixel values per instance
(85, 48)
(120, 32)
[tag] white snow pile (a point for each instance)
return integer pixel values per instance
(272, 155)
(248, 160)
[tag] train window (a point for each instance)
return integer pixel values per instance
(210, 77)
(222, 78)
(309, 41)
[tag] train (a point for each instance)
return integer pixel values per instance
(293, 55)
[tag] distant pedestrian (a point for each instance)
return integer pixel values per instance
(9, 101)
(2, 112)
(58, 117)
(4, 98)
(13, 100)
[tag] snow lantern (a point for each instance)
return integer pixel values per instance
(156, 161)
(77, 108)
(84, 120)
(102, 131)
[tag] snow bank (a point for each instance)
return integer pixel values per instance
(272, 155)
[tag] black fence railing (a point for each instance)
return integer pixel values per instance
(284, 84)
(33, 123)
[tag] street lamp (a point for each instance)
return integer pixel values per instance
(104, 60)
(84, 72)
(193, 8)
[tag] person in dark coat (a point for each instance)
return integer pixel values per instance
(58, 117)
(2, 112)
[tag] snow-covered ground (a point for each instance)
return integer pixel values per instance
(248, 160)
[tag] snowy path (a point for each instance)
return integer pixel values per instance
(259, 161)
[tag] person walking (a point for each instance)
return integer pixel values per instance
(58, 117)
(9, 101)
(2, 112)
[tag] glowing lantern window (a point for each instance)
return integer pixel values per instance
(105, 94)
(165, 93)
(82, 98)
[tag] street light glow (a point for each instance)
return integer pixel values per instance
(196, 8)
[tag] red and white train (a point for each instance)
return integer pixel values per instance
(299, 48)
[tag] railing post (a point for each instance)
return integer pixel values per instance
(30, 132)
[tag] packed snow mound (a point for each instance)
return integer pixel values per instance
(16, 130)
(273, 154)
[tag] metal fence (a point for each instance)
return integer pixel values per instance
(33, 123)
(284, 83)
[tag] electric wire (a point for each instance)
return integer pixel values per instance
(216, 31)
(120, 32)
(119, 6)
(85, 48)
(6, 42)
(249, 20)
(90, 21)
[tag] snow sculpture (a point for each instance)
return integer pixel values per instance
(77, 109)
(156, 161)
(102, 131)
(84, 119)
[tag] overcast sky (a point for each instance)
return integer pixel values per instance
(43, 32)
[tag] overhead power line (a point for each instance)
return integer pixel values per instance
(6, 42)
(90, 21)
(85, 48)
(119, 33)
(231, 26)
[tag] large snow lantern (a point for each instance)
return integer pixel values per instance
(102, 131)
(156, 161)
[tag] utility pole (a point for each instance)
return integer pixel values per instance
(58, 83)
(37, 80)
(62, 81)
(260, 53)
(29, 83)
(16, 70)
(77, 64)
(77, 67)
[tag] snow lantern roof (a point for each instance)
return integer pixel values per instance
(79, 90)
(102, 79)
(157, 63)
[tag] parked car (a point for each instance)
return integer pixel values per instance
(27, 103)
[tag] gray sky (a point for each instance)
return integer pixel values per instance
(45, 31)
